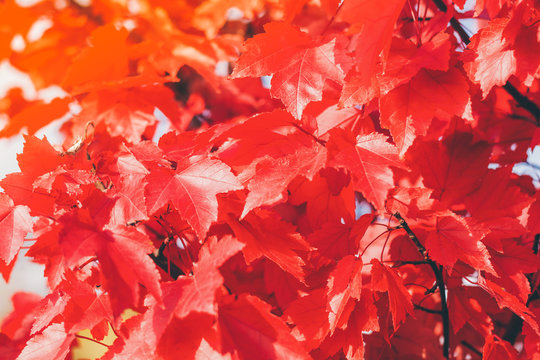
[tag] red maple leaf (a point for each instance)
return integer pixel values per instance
(122, 253)
(368, 158)
(52, 343)
(266, 235)
(192, 190)
(408, 110)
(384, 279)
(456, 239)
(300, 69)
(394, 166)
(344, 284)
(15, 224)
(198, 291)
(249, 329)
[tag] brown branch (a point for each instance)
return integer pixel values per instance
(521, 99)
(439, 283)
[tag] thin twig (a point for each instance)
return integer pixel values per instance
(372, 241)
(90, 339)
(425, 309)
(472, 348)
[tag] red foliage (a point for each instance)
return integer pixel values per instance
(364, 206)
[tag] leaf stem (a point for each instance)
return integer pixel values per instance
(90, 339)
(92, 259)
(372, 241)
(322, 142)
(425, 309)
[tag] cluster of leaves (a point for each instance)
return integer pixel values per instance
(362, 207)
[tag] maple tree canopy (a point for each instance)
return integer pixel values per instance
(336, 179)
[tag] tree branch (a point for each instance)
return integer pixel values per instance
(521, 99)
(438, 272)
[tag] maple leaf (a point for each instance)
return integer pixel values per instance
(384, 279)
(192, 190)
(408, 110)
(122, 253)
(272, 159)
(492, 60)
(453, 168)
(328, 197)
(36, 116)
(497, 197)
(372, 22)
(350, 339)
(272, 175)
(250, 329)
(464, 308)
(18, 323)
(198, 291)
(91, 67)
(404, 61)
(514, 259)
(344, 284)
(283, 285)
(310, 316)
(368, 87)
(52, 343)
(507, 300)
(266, 235)
(50, 307)
(368, 158)
(86, 308)
(456, 239)
(35, 149)
(335, 240)
(15, 224)
(156, 331)
(299, 70)
(497, 349)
